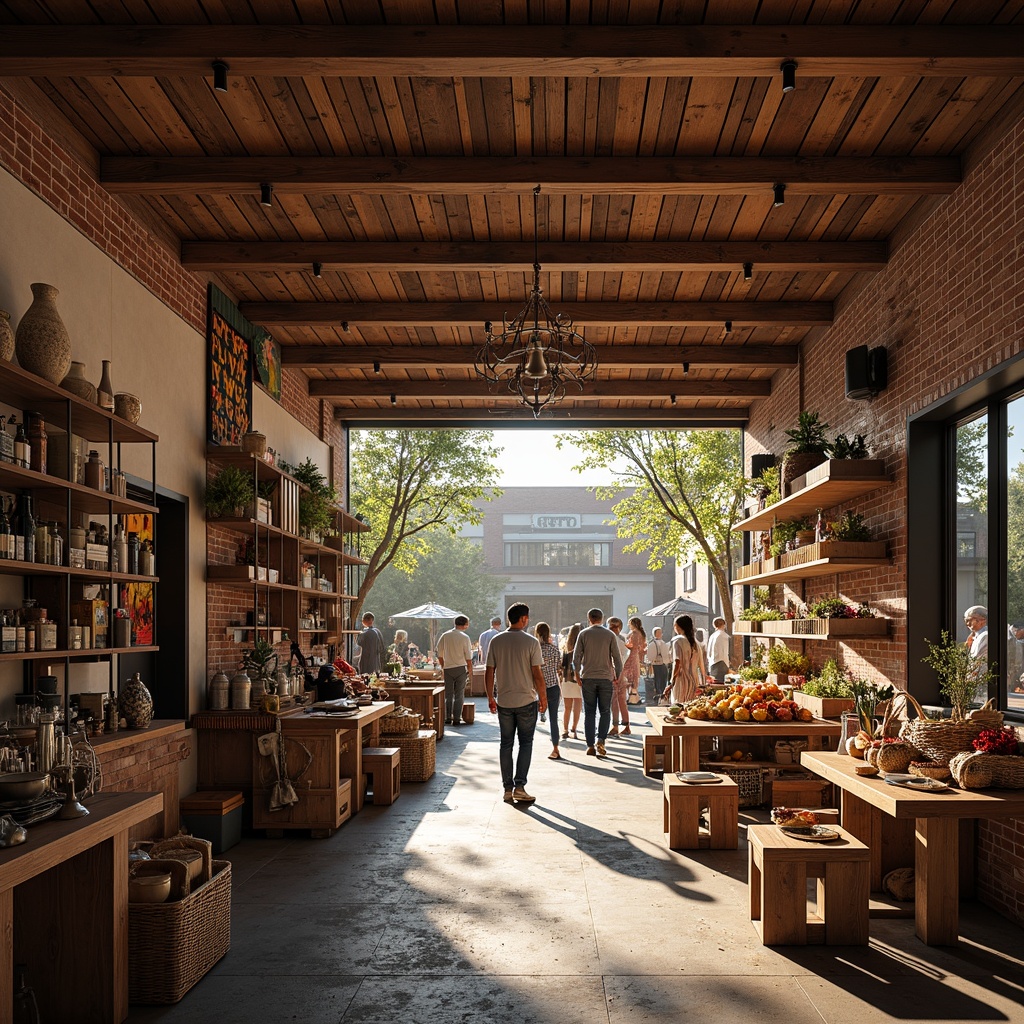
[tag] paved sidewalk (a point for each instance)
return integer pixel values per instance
(452, 907)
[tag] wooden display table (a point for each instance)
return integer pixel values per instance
(427, 701)
(882, 816)
(684, 736)
(683, 802)
(64, 908)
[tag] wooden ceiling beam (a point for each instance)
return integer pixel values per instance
(505, 51)
(500, 257)
(486, 416)
(555, 175)
(599, 390)
(473, 314)
(325, 357)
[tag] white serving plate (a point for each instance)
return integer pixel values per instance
(916, 782)
(698, 777)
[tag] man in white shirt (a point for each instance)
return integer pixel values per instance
(455, 653)
(659, 657)
(719, 651)
(976, 620)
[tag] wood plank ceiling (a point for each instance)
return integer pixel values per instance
(403, 141)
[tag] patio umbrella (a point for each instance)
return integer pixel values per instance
(432, 611)
(678, 606)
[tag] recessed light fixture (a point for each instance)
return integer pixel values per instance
(728, 327)
(318, 270)
(788, 69)
(673, 399)
(778, 194)
(220, 76)
(344, 325)
(266, 194)
(748, 271)
(376, 367)
(686, 369)
(394, 399)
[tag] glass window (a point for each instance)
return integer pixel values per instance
(1014, 667)
(570, 554)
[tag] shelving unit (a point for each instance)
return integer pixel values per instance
(64, 500)
(833, 483)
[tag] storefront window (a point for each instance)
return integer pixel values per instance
(1014, 667)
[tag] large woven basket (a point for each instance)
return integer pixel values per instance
(172, 945)
(749, 780)
(941, 740)
(419, 754)
(400, 721)
(978, 770)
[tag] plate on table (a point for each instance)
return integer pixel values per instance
(673, 718)
(811, 833)
(916, 782)
(695, 777)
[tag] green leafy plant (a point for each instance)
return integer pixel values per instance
(830, 608)
(850, 527)
(760, 610)
(783, 533)
(260, 660)
(785, 661)
(961, 676)
(830, 682)
(770, 485)
(867, 696)
(808, 436)
(318, 504)
(229, 493)
(844, 447)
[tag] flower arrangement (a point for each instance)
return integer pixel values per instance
(867, 696)
(837, 608)
(996, 741)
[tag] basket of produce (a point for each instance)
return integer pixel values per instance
(993, 762)
(401, 720)
(929, 770)
(746, 702)
(940, 740)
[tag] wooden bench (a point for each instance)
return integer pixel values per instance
(798, 792)
(683, 802)
(653, 746)
(382, 767)
(779, 866)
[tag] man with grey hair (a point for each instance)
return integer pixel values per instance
(976, 620)
(719, 651)
(597, 663)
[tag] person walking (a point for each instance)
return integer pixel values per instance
(620, 705)
(572, 693)
(514, 660)
(455, 653)
(659, 657)
(688, 662)
(485, 638)
(371, 647)
(596, 662)
(628, 683)
(550, 667)
(719, 651)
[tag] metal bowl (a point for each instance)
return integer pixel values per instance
(23, 786)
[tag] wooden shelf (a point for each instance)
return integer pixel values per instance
(245, 526)
(811, 570)
(11, 567)
(352, 560)
(90, 652)
(54, 491)
(832, 483)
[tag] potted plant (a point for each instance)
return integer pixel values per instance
(843, 447)
(963, 680)
(808, 447)
(769, 487)
(849, 527)
(827, 694)
(229, 493)
(317, 505)
(783, 662)
(260, 662)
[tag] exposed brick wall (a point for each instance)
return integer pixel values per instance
(949, 306)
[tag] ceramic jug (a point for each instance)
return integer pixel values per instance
(136, 704)
(42, 342)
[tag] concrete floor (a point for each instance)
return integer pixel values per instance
(452, 907)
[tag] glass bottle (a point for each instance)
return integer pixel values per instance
(57, 541)
(22, 447)
(105, 390)
(43, 551)
(121, 543)
(6, 442)
(6, 536)
(28, 528)
(38, 438)
(133, 554)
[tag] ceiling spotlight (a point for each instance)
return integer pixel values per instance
(778, 194)
(344, 325)
(728, 327)
(394, 399)
(220, 76)
(686, 369)
(318, 269)
(788, 69)
(376, 367)
(673, 399)
(748, 271)
(266, 194)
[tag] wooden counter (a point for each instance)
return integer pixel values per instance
(64, 908)
(426, 700)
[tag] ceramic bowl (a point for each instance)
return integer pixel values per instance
(150, 888)
(128, 407)
(23, 786)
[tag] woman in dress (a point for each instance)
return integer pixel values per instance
(550, 658)
(572, 692)
(629, 681)
(401, 646)
(688, 662)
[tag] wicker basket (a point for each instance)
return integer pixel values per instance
(979, 771)
(929, 770)
(419, 754)
(172, 945)
(939, 740)
(748, 779)
(167, 848)
(399, 722)
(899, 884)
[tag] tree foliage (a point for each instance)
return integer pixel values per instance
(453, 573)
(411, 484)
(688, 491)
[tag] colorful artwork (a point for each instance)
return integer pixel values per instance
(266, 354)
(230, 374)
(141, 524)
(138, 599)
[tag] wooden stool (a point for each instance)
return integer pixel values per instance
(779, 866)
(469, 712)
(383, 766)
(798, 792)
(653, 746)
(682, 806)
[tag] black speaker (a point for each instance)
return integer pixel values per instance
(759, 463)
(867, 372)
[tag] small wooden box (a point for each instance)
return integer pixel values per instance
(95, 615)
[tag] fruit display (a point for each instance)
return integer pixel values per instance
(747, 702)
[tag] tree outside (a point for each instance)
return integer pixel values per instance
(453, 573)
(688, 494)
(411, 486)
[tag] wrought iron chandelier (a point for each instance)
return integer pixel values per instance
(537, 354)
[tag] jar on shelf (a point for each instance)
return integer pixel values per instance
(94, 475)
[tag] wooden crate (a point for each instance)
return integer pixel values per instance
(850, 627)
(823, 707)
